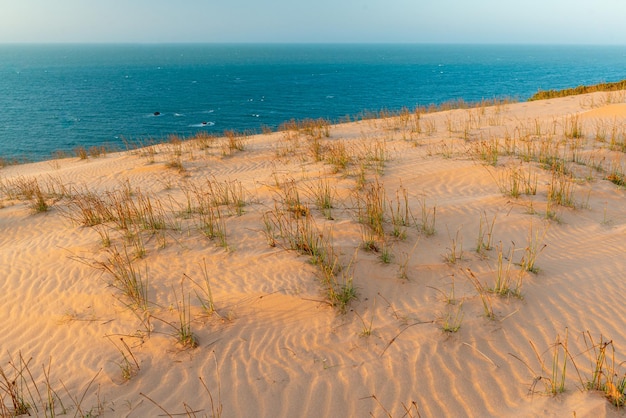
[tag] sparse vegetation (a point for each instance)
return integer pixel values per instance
(452, 318)
(184, 334)
(534, 246)
(550, 94)
(455, 250)
(603, 375)
(505, 284)
(325, 199)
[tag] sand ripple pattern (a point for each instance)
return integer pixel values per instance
(273, 346)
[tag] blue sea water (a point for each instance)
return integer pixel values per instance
(57, 97)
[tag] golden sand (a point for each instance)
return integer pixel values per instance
(427, 334)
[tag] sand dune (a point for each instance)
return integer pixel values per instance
(469, 196)
(616, 110)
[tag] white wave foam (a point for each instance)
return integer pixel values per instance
(202, 124)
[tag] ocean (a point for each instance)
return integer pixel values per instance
(58, 97)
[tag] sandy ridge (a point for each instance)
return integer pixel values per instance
(274, 346)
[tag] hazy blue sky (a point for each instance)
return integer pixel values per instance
(449, 21)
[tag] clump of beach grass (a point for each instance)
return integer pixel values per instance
(504, 284)
(29, 189)
(126, 278)
(233, 142)
(369, 242)
(514, 181)
(605, 375)
(96, 151)
(205, 296)
(453, 318)
(400, 213)
(561, 188)
(129, 366)
(21, 393)
(386, 255)
(366, 330)
(81, 152)
(184, 334)
(553, 374)
(294, 226)
(338, 155)
(485, 233)
(14, 389)
(403, 265)
(428, 219)
(323, 193)
(341, 290)
(534, 246)
(371, 207)
(129, 210)
(487, 151)
(213, 225)
(455, 251)
(483, 293)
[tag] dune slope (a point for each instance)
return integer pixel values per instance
(461, 263)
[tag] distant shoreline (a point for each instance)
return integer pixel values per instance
(64, 96)
(82, 152)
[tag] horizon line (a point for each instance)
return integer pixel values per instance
(308, 43)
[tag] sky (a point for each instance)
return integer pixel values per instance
(314, 21)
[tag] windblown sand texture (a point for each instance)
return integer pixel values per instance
(274, 346)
